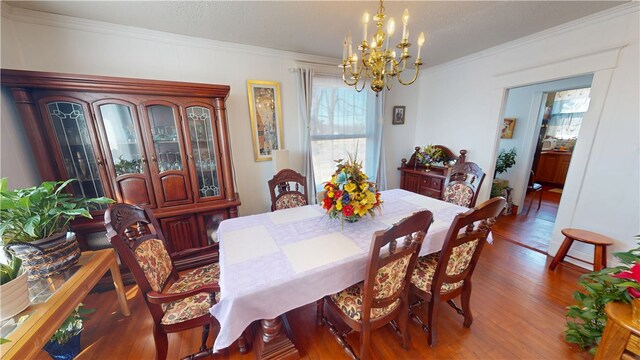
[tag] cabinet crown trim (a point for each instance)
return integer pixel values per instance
(60, 81)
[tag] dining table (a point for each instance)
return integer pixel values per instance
(274, 262)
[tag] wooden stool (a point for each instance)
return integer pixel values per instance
(600, 242)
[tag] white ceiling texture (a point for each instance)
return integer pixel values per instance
(453, 28)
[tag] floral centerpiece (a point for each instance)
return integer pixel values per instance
(620, 283)
(349, 195)
(430, 155)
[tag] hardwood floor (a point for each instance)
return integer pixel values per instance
(533, 230)
(518, 308)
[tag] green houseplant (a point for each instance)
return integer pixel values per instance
(506, 160)
(586, 319)
(65, 342)
(35, 222)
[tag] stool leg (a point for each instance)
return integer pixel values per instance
(562, 252)
(599, 257)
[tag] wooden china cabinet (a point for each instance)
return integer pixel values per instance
(431, 181)
(159, 144)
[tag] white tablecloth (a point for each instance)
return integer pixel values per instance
(274, 262)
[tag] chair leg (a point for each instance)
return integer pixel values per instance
(161, 341)
(533, 195)
(433, 316)
(403, 325)
(599, 257)
(319, 311)
(365, 339)
(205, 336)
(466, 303)
(540, 200)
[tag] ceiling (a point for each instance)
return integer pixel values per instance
(453, 28)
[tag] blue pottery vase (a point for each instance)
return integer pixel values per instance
(66, 351)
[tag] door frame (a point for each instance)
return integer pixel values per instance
(599, 63)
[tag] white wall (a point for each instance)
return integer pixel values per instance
(461, 101)
(523, 103)
(44, 42)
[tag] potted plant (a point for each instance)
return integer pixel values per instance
(65, 342)
(506, 160)
(621, 283)
(14, 293)
(430, 155)
(35, 225)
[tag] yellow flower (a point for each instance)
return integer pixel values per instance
(364, 186)
(371, 197)
(339, 205)
(330, 194)
(360, 209)
(350, 187)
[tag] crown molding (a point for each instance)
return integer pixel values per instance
(99, 27)
(612, 13)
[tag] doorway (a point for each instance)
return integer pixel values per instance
(541, 126)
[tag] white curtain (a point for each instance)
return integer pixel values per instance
(304, 81)
(381, 175)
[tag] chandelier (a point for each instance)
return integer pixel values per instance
(378, 62)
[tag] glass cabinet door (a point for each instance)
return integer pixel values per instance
(127, 157)
(78, 157)
(203, 153)
(169, 164)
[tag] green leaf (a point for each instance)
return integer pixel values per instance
(23, 203)
(30, 225)
(3, 184)
(627, 257)
(4, 341)
(63, 185)
(16, 263)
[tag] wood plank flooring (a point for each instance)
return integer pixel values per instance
(533, 230)
(518, 308)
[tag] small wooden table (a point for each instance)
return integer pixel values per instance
(620, 334)
(600, 243)
(69, 288)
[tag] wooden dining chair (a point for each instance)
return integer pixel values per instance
(534, 188)
(176, 302)
(382, 298)
(288, 189)
(446, 274)
(463, 183)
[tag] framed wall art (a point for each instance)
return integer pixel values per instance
(507, 128)
(398, 115)
(266, 117)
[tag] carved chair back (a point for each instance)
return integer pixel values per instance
(463, 184)
(389, 272)
(288, 189)
(135, 234)
(463, 244)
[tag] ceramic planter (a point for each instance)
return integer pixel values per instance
(45, 257)
(14, 297)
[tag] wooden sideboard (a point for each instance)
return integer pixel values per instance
(158, 144)
(430, 182)
(553, 167)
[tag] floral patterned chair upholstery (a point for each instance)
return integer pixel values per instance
(288, 189)
(176, 302)
(446, 274)
(382, 297)
(463, 183)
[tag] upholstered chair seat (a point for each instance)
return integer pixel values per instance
(288, 189)
(290, 200)
(459, 194)
(193, 306)
(423, 274)
(462, 184)
(349, 301)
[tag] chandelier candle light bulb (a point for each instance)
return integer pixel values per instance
(380, 62)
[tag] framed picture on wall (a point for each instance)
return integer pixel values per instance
(398, 115)
(266, 117)
(507, 128)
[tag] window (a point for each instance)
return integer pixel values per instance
(343, 122)
(568, 110)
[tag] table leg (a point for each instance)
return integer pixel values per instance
(117, 282)
(273, 340)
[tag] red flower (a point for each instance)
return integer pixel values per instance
(632, 274)
(347, 210)
(326, 203)
(337, 194)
